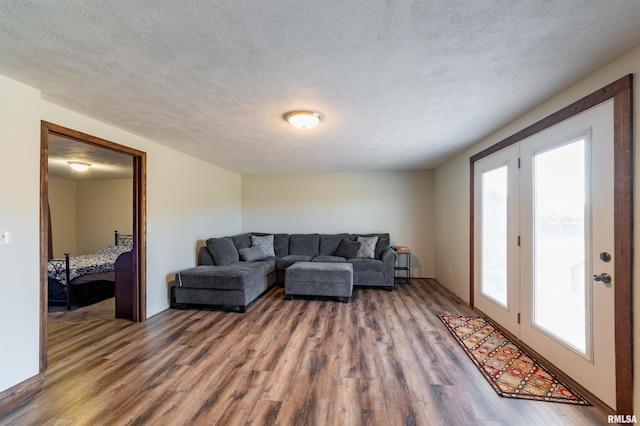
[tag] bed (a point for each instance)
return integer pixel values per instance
(69, 274)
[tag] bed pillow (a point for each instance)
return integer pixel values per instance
(252, 254)
(222, 251)
(265, 243)
(368, 247)
(347, 249)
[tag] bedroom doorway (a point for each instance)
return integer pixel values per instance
(113, 160)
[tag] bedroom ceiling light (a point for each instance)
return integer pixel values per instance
(303, 119)
(78, 166)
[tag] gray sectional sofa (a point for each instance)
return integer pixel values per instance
(236, 270)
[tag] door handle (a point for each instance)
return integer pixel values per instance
(604, 277)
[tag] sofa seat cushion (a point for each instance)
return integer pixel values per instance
(228, 277)
(329, 259)
(361, 265)
(285, 261)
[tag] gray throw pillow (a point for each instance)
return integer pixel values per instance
(368, 247)
(222, 250)
(347, 249)
(251, 254)
(265, 243)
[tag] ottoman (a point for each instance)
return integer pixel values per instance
(319, 279)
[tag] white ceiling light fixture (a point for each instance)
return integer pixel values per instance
(79, 166)
(303, 119)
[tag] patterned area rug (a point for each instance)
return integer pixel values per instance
(507, 367)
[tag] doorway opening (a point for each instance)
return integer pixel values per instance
(135, 301)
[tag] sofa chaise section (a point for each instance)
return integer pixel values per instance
(235, 285)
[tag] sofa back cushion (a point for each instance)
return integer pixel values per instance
(383, 245)
(223, 251)
(329, 243)
(281, 244)
(242, 240)
(304, 244)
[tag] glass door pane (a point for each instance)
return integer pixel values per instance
(494, 227)
(559, 233)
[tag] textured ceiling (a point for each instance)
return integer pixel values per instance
(105, 164)
(402, 84)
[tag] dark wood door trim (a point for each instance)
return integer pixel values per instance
(138, 217)
(621, 91)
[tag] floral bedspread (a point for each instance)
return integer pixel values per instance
(101, 261)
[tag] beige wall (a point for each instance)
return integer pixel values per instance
(62, 204)
(187, 200)
(20, 215)
(103, 206)
(400, 203)
(84, 213)
(452, 191)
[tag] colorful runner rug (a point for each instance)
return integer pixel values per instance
(507, 367)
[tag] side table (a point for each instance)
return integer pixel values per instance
(403, 264)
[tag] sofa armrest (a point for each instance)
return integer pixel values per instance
(389, 262)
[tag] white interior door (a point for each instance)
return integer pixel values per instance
(566, 226)
(544, 245)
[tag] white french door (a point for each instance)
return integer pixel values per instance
(497, 191)
(556, 221)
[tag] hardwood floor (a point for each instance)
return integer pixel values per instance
(383, 359)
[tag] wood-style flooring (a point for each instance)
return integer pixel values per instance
(383, 359)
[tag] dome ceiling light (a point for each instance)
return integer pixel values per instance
(78, 166)
(303, 119)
